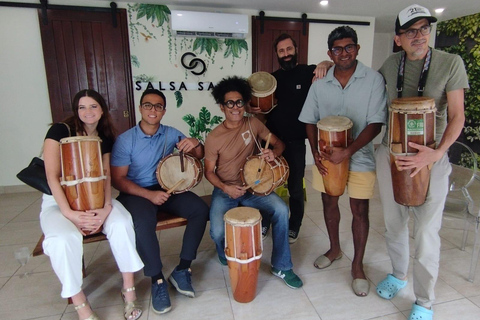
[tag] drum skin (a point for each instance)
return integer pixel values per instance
(263, 86)
(243, 250)
(81, 159)
(169, 172)
(411, 120)
(273, 174)
(334, 131)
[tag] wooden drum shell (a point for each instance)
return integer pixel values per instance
(273, 174)
(411, 120)
(243, 250)
(82, 172)
(334, 131)
(263, 86)
(169, 172)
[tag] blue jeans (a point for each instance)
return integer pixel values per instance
(271, 206)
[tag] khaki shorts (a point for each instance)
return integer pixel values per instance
(360, 185)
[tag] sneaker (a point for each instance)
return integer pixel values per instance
(182, 281)
(292, 236)
(223, 261)
(289, 277)
(264, 232)
(160, 298)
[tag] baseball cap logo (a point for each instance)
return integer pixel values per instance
(416, 10)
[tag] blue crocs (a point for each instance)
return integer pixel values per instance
(420, 313)
(389, 287)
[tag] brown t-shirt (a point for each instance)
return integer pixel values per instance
(229, 148)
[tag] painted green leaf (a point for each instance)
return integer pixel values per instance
(135, 61)
(154, 12)
(178, 98)
(235, 47)
(206, 44)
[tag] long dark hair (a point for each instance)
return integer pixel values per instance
(105, 125)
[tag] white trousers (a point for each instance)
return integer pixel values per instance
(64, 243)
(428, 221)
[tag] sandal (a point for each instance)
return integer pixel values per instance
(389, 287)
(420, 313)
(93, 316)
(132, 310)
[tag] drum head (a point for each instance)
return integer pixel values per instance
(420, 104)
(242, 216)
(250, 169)
(80, 139)
(169, 173)
(334, 123)
(262, 83)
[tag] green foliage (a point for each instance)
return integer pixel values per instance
(135, 26)
(178, 98)
(234, 47)
(206, 44)
(135, 61)
(201, 126)
(144, 78)
(153, 12)
(468, 31)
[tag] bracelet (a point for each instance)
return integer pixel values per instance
(198, 145)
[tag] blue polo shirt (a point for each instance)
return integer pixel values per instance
(142, 153)
(363, 100)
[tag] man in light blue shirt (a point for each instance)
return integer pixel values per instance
(352, 90)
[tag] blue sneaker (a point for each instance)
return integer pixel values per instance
(160, 298)
(289, 277)
(182, 281)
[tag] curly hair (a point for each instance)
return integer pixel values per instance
(231, 84)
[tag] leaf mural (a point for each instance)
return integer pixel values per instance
(234, 47)
(154, 12)
(206, 44)
(201, 126)
(135, 61)
(178, 98)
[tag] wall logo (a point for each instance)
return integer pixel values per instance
(194, 64)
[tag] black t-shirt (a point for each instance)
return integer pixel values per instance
(292, 90)
(59, 131)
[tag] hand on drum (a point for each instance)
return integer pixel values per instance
(268, 155)
(187, 144)
(158, 197)
(86, 222)
(318, 162)
(234, 191)
(336, 154)
(425, 156)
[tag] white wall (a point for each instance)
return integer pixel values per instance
(26, 110)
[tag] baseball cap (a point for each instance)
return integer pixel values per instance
(410, 15)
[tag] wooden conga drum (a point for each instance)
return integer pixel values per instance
(83, 175)
(411, 120)
(272, 174)
(263, 86)
(169, 172)
(243, 250)
(334, 131)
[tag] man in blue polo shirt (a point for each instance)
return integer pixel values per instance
(135, 157)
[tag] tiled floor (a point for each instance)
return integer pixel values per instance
(326, 295)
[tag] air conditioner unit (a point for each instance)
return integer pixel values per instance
(209, 24)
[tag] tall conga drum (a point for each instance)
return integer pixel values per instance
(334, 131)
(83, 175)
(411, 120)
(263, 86)
(243, 250)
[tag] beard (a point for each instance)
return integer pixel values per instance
(288, 65)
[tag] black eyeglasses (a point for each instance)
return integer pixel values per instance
(349, 48)
(148, 106)
(412, 33)
(230, 103)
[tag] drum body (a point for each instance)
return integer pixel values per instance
(334, 131)
(169, 172)
(411, 120)
(263, 90)
(243, 250)
(83, 175)
(272, 174)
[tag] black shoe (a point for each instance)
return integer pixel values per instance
(264, 233)
(292, 236)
